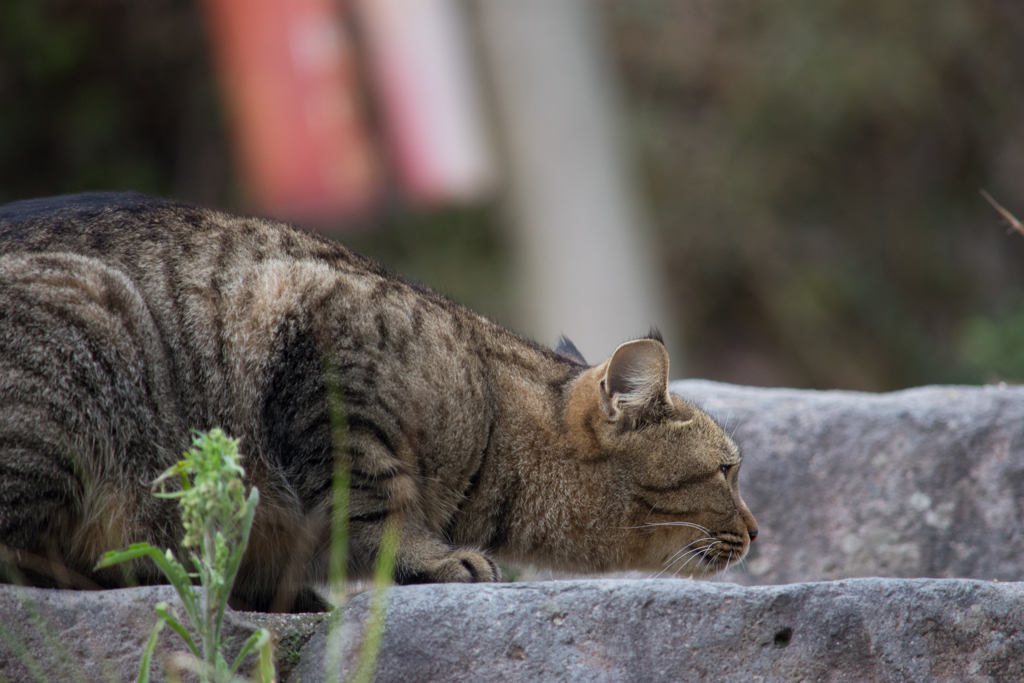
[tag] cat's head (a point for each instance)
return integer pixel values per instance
(675, 504)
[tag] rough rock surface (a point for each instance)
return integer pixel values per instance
(861, 630)
(54, 635)
(925, 482)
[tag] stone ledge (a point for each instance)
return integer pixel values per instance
(101, 635)
(606, 630)
(679, 630)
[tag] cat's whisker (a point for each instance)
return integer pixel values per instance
(686, 553)
(706, 567)
(689, 545)
(689, 525)
(739, 424)
(696, 553)
(685, 550)
(698, 527)
(728, 561)
(682, 558)
(685, 559)
(645, 525)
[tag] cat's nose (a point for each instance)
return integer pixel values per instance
(753, 533)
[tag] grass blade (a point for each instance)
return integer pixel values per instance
(132, 552)
(163, 611)
(267, 673)
(71, 666)
(1015, 224)
(257, 640)
(147, 655)
(22, 653)
(383, 575)
(246, 528)
(341, 479)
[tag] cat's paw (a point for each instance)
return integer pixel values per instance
(459, 566)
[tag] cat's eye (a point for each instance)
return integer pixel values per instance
(725, 469)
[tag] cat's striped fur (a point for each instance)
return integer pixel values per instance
(127, 321)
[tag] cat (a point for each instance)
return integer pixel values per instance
(128, 321)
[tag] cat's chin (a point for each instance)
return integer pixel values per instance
(714, 562)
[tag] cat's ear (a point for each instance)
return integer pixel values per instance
(635, 383)
(567, 349)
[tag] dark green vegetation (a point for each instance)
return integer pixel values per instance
(812, 170)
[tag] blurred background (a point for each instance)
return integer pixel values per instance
(790, 190)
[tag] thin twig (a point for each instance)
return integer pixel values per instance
(1010, 218)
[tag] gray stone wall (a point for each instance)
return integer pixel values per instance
(926, 482)
(861, 630)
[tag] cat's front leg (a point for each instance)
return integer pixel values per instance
(423, 556)
(426, 558)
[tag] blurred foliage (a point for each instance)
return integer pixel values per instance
(812, 168)
(814, 172)
(108, 94)
(995, 345)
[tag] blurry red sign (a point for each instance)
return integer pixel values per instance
(288, 73)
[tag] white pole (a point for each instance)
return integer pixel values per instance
(586, 269)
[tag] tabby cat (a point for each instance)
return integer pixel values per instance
(128, 321)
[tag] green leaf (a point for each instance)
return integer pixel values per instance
(217, 519)
(267, 673)
(147, 655)
(246, 527)
(172, 569)
(134, 551)
(235, 560)
(257, 640)
(163, 611)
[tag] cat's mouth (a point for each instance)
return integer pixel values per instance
(724, 552)
(708, 554)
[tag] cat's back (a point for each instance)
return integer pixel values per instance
(130, 228)
(221, 301)
(128, 297)
(99, 222)
(190, 266)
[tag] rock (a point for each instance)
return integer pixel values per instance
(678, 630)
(925, 482)
(60, 635)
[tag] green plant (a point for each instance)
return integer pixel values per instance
(217, 518)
